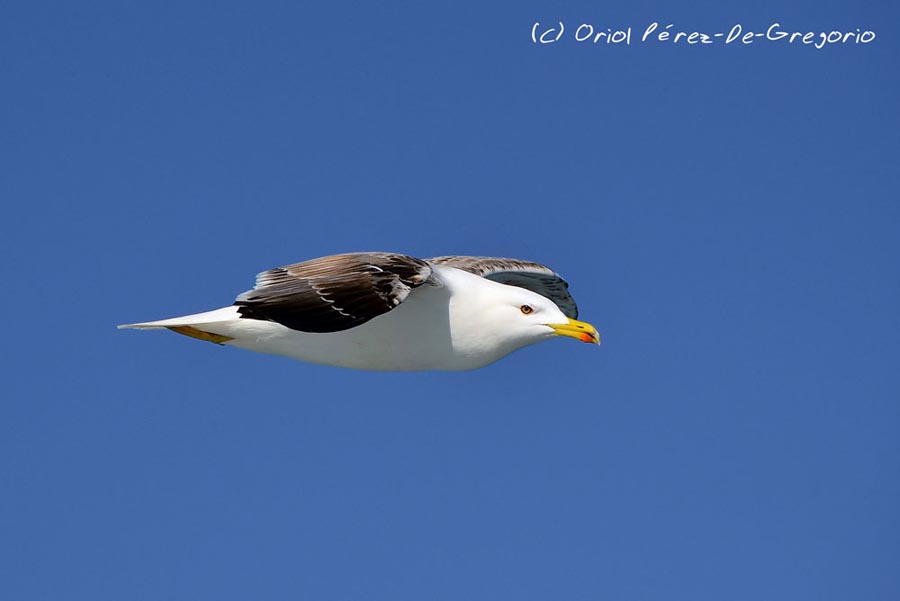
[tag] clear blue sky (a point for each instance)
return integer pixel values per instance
(727, 215)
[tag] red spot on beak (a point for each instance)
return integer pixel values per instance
(586, 338)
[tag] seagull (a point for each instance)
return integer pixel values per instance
(392, 312)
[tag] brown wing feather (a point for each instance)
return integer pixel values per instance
(333, 293)
(514, 272)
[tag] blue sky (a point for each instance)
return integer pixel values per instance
(727, 217)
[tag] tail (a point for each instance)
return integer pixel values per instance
(192, 325)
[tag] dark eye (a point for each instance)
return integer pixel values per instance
(526, 309)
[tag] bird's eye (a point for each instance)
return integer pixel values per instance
(526, 309)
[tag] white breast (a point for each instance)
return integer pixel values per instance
(435, 328)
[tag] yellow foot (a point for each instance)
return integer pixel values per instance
(195, 333)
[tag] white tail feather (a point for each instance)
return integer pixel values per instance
(217, 316)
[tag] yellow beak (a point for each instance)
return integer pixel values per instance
(581, 330)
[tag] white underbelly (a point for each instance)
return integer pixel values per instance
(416, 335)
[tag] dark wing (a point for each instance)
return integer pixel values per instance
(513, 272)
(333, 293)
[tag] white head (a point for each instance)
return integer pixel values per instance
(502, 319)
